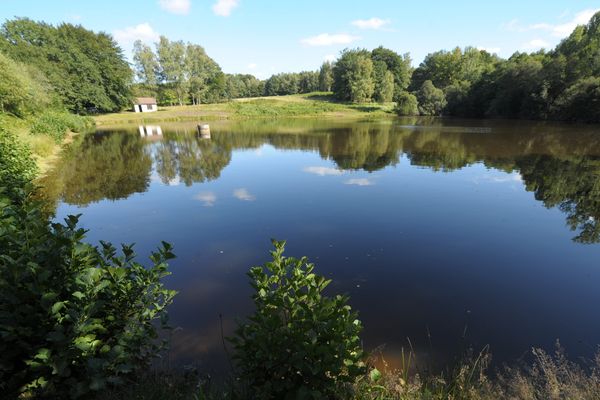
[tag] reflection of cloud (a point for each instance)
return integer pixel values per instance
(359, 182)
(208, 198)
(243, 194)
(514, 177)
(322, 171)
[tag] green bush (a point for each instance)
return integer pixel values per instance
(298, 343)
(407, 104)
(56, 124)
(73, 318)
(17, 168)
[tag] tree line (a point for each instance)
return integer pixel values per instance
(44, 65)
(63, 65)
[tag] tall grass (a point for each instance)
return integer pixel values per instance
(55, 124)
(548, 376)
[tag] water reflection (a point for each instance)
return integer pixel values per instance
(560, 164)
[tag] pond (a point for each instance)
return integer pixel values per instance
(446, 234)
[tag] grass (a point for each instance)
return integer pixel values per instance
(44, 147)
(545, 377)
(305, 105)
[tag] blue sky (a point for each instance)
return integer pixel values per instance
(263, 37)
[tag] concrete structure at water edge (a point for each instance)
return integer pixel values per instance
(145, 104)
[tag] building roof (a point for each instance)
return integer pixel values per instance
(145, 100)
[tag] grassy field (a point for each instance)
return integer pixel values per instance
(305, 105)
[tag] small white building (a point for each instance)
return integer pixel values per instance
(145, 104)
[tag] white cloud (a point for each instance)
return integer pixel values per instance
(224, 7)
(251, 66)
(181, 7)
(556, 30)
(326, 39)
(208, 198)
(563, 30)
(143, 32)
(243, 194)
(372, 23)
(359, 182)
(329, 58)
(535, 44)
(322, 171)
(491, 50)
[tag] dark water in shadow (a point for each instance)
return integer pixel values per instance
(450, 233)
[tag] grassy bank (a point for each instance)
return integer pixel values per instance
(296, 106)
(46, 134)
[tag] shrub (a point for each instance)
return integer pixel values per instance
(56, 124)
(17, 168)
(73, 318)
(298, 343)
(407, 104)
(431, 99)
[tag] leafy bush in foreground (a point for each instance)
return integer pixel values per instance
(17, 168)
(73, 318)
(299, 343)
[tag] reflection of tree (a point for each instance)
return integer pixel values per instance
(572, 185)
(559, 165)
(102, 167)
(192, 159)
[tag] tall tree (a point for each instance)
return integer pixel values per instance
(326, 77)
(353, 76)
(145, 63)
(431, 99)
(86, 69)
(171, 56)
(399, 66)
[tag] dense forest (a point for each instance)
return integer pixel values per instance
(86, 72)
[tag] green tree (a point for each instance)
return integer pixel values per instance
(145, 63)
(399, 66)
(353, 76)
(384, 83)
(173, 69)
(87, 70)
(326, 77)
(407, 104)
(431, 99)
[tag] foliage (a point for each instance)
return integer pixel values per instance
(87, 70)
(17, 168)
(298, 343)
(96, 167)
(23, 89)
(398, 66)
(384, 83)
(560, 84)
(326, 77)
(407, 104)
(73, 318)
(431, 99)
(56, 124)
(580, 102)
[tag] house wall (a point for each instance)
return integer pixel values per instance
(145, 107)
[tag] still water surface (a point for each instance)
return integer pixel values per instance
(449, 233)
